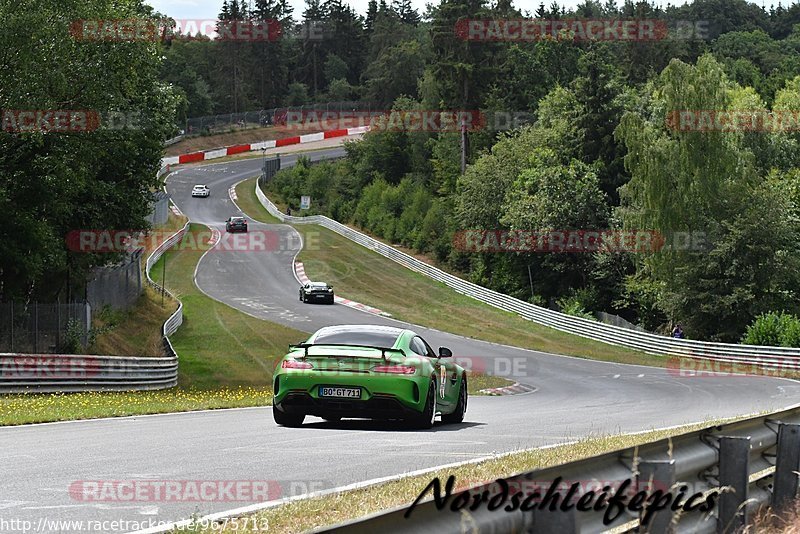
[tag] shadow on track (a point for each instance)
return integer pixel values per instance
(386, 426)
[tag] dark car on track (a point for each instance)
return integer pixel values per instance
(236, 224)
(316, 292)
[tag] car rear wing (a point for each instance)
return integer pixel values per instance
(306, 346)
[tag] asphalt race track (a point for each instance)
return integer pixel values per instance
(574, 398)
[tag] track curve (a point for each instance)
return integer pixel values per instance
(574, 398)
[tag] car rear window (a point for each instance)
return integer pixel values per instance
(374, 339)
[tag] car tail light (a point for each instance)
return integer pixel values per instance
(395, 369)
(294, 364)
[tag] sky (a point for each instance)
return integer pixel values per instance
(209, 9)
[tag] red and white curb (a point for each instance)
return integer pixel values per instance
(301, 275)
(514, 389)
(232, 193)
(275, 143)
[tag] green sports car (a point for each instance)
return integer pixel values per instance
(366, 371)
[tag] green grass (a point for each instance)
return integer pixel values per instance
(248, 201)
(477, 382)
(366, 276)
(41, 408)
(306, 514)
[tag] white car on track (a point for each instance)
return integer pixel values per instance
(201, 191)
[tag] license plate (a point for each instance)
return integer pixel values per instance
(347, 393)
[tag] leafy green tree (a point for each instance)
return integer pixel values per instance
(395, 72)
(708, 184)
(54, 182)
(339, 90)
(297, 94)
(335, 68)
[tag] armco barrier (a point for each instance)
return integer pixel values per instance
(747, 464)
(47, 373)
(263, 145)
(176, 319)
(780, 358)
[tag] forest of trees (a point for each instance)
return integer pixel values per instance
(53, 183)
(599, 154)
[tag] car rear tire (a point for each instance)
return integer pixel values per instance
(458, 414)
(287, 419)
(426, 419)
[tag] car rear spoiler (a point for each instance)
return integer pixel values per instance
(305, 347)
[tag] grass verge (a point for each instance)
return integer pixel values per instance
(366, 276)
(302, 515)
(248, 202)
(26, 409)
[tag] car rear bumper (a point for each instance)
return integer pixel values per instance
(378, 407)
(383, 396)
(319, 297)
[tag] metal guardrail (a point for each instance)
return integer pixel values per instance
(780, 358)
(748, 463)
(176, 319)
(50, 373)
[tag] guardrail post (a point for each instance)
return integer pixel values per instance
(657, 474)
(787, 463)
(734, 472)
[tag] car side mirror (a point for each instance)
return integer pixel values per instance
(444, 352)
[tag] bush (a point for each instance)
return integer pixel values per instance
(572, 306)
(73, 338)
(774, 329)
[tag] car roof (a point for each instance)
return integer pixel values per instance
(235, 217)
(199, 185)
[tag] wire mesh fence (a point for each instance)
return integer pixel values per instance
(44, 327)
(117, 286)
(266, 117)
(160, 209)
